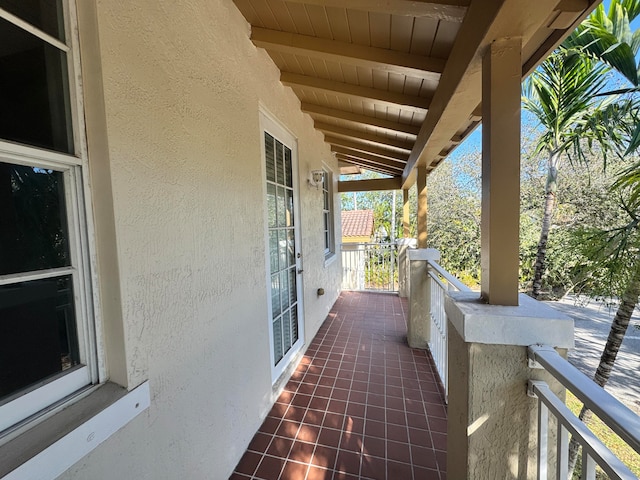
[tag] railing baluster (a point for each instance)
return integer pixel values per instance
(562, 451)
(588, 466)
(543, 440)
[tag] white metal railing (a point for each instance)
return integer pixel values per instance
(370, 266)
(624, 422)
(440, 282)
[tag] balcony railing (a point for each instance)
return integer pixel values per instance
(370, 266)
(440, 282)
(624, 422)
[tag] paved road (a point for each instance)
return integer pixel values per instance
(592, 324)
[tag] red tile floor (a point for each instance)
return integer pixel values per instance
(361, 404)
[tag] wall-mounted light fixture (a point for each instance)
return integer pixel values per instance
(316, 178)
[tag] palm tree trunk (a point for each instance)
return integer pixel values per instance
(549, 204)
(607, 360)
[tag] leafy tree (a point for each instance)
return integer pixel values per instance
(562, 94)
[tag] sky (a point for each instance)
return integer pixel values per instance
(473, 143)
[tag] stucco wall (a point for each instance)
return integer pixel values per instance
(182, 88)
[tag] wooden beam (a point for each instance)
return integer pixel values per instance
(356, 92)
(459, 89)
(357, 134)
(372, 185)
(367, 156)
(370, 166)
(449, 10)
(386, 166)
(387, 125)
(402, 63)
(363, 147)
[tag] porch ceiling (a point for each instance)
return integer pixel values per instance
(393, 84)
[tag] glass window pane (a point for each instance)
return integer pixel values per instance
(270, 159)
(33, 227)
(284, 288)
(275, 295)
(288, 168)
(43, 14)
(271, 205)
(37, 332)
(293, 294)
(34, 91)
(282, 211)
(278, 352)
(286, 331)
(289, 219)
(282, 248)
(280, 163)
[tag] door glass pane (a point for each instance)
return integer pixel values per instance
(270, 157)
(291, 247)
(280, 162)
(43, 14)
(294, 325)
(33, 228)
(284, 289)
(271, 205)
(278, 351)
(273, 250)
(288, 168)
(37, 332)
(282, 211)
(289, 205)
(286, 331)
(275, 295)
(282, 248)
(33, 91)
(293, 295)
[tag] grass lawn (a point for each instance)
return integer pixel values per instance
(623, 451)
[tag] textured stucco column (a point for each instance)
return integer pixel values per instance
(419, 325)
(501, 96)
(421, 184)
(403, 265)
(406, 214)
(492, 423)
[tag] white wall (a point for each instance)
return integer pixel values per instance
(182, 86)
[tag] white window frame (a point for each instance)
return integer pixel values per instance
(328, 233)
(27, 407)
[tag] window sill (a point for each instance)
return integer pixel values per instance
(54, 445)
(329, 259)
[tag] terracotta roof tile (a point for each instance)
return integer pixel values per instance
(357, 223)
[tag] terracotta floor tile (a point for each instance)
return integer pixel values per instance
(356, 406)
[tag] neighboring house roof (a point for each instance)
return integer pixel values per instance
(357, 223)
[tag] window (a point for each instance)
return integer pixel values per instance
(47, 337)
(327, 213)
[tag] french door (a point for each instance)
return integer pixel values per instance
(284, 263)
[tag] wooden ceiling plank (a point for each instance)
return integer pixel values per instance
(450, 10)
(368, 57)
(357, 134)
(370, 185)
(365, 151)
(378, 163)
(401, 32)
(407, 102)
(360, 119)
(369, 165)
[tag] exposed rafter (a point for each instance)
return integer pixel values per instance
(378, 160)
(367, 137)
(372, 185)
(377, 163)
(358, 55)
(363, 147)
(387, 125)
(355, 92)
(449, 10)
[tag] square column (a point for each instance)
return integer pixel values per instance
(501, 97)
(492, 423)
(421, 184)
(419, 324)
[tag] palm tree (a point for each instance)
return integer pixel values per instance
(562, 93)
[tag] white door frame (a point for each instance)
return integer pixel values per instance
(270, 125)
